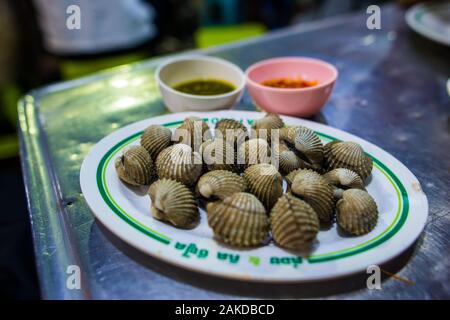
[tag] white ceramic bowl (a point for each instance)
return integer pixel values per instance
(183, 69)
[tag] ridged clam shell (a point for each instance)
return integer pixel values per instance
(201, 150)
(265, 182)
(225, 124)
(294, 223)
(231, 130)
(239, 220)
(269, 121)
(135, 166)
(288, 133)
(204, 145)
(343, 179)
(316, 191)
(290, 177)
(308, 143)
(253, 151)
(193, 132)
(217, 154)
(178, 162)
(356, 212)
(349, 155)
(287, 159)
(262, 128)
(219, 184)
(174, 203)
(155, 139)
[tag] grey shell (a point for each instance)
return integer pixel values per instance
(294, 223)
(316, 191)
(219, 184)
(343, 179)
(155, 139)
(265, 182)
(135, 166)
(239, 220)
(306, 142)
(349, 155)
(265, 127)
(217, 154)
(288, 160)
(193, 132)
(178, 162)
(174, 203)
(254, 151)
(356, 212)
(232, 131)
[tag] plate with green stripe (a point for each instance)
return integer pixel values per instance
(402, 206)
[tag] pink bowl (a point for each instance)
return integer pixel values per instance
(302, 102)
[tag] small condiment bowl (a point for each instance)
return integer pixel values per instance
(302, 102)
(184, 69)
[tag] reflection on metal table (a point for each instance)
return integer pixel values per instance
(391, 91)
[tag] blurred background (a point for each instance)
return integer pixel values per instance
(36, 51)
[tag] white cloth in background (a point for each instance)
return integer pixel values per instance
(106, 25)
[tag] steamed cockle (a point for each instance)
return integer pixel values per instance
(294, 223)
(135, 166)
(356, 212)
(239, 220)
(349, 155)
(219, 184)
(174, 203)
(178, 162)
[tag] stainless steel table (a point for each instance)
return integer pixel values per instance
(391, 91)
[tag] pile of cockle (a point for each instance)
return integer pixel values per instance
(239, 179)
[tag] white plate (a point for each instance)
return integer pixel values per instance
(431, 21)
(402, 205)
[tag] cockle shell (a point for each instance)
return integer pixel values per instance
(219, 184)
(253, 151)
(287, 159)
(232, 131)
(265, 182)
(288, 133)
(349, 155)
(174, 203)
(290, 177)
(343, 179)
(217, 154)
(262, 128)
(294, 223)
(306, 142)
(135, 166)
(204, 145)
(155, 139)
(193, 132)
(269, 121)
(316, 191)
(201, 150)
(178, 162)
(356, 212)
(239, 220)
(224, 124)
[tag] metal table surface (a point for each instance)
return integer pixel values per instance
(391, 91)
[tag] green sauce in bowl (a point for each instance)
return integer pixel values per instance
(205, 87)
